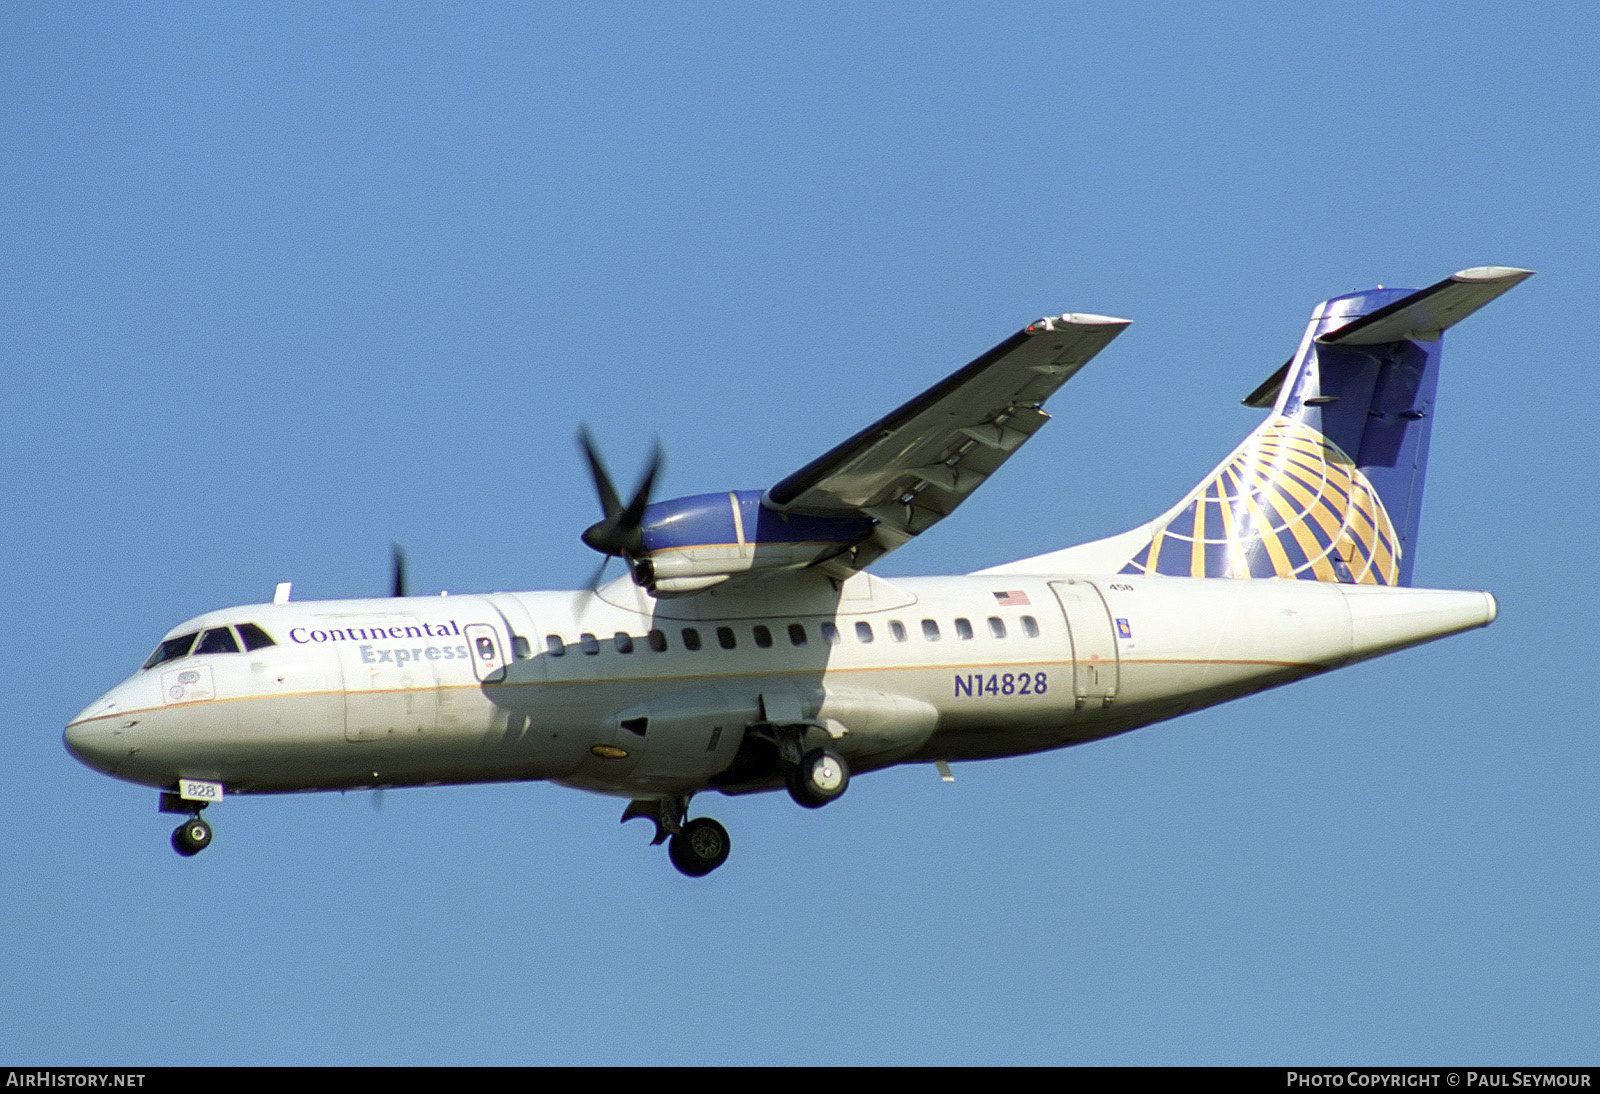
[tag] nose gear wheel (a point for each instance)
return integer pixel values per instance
(191, 837)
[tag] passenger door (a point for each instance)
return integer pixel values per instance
(1095, 672)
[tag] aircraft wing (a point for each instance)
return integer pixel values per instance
(911, 468)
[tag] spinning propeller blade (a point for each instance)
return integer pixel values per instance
(620, 530)
(397, 586)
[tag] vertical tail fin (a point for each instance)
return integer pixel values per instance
(1329, 487)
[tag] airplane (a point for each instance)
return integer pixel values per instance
(749, 648)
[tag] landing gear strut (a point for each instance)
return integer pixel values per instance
(696, 847)
(193, 835)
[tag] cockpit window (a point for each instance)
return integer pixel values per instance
(217, 640)
(254, 637)
(171, 649)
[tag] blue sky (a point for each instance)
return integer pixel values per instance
(286, 283)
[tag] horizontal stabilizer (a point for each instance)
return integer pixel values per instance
(1265, 397)
(1424, 314)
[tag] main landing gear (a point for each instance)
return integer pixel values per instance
(819, 778)
(700, 847)
(193, 835)
(696, 847)
(815, 775)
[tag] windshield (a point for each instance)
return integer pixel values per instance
(171, 649)
(217, 640)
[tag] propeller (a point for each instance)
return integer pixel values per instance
(397, 586)
(620, 530)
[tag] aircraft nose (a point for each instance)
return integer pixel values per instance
(90, 741)
(97, 737)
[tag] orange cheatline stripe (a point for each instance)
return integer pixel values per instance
(1058, 663)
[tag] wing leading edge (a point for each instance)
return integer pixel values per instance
(911, 468)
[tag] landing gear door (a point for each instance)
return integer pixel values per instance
(488, 652)
(1095, 671)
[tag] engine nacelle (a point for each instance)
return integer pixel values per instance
(696, 542)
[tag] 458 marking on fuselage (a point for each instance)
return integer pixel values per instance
(978, 684)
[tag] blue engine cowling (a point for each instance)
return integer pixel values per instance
(695, 542)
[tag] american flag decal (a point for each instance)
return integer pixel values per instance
(1014, 599)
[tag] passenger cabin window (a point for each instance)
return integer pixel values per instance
(830, 634)
(897, 630)
(521, 649)
(589, 643)
(797, 634)
(763, 636)
(657, 640)
(691, 639)
(217, 640)
(254, 637)
(930, 630)
(963, 629)
(623, 641)
(725, 638)
(863, 632)
(1030, 626)
(171, 649)
(554, 646)
(997, 626)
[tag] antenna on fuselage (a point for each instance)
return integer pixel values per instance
(280, 595)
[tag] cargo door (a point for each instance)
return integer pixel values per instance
(390, 682)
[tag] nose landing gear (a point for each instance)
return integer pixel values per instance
(193, 835)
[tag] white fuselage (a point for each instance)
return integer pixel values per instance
(620, 693)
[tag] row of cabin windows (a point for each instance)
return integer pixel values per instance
(623, 642)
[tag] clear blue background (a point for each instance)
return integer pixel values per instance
(283, 283)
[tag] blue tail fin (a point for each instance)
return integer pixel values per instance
(1329, 487)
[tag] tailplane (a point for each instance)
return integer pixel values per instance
(1329, 487)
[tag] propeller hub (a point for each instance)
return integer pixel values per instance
(608, 538)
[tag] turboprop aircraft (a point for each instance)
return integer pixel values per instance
(748, 647)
